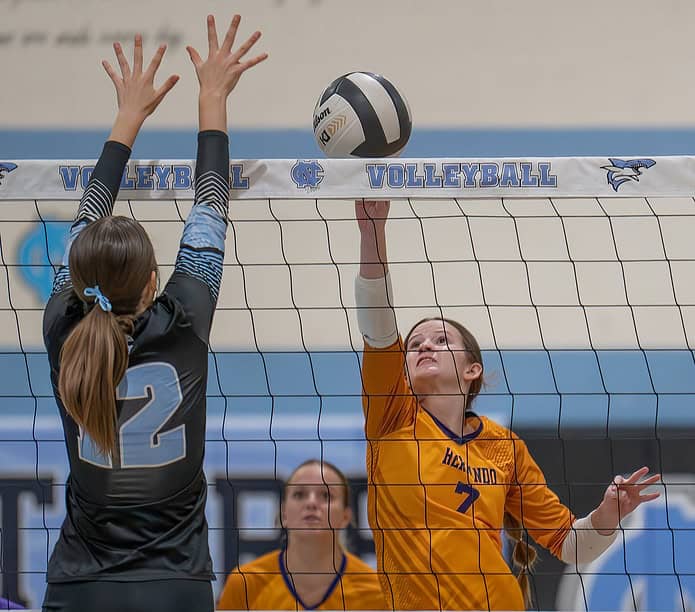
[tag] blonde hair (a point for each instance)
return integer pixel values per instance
(524, 555)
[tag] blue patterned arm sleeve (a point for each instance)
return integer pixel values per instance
(97, 201)
(201, 254)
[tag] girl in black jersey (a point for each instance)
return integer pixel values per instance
(129, 369)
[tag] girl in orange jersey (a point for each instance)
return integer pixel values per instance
(444, 481)
(313, 571)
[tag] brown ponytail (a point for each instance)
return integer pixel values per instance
(524, 555)
(115, 254)
(93, 361)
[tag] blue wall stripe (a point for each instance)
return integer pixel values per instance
(294, 143)
(592, 393)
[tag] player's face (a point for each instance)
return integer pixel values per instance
(315, 500)
(436, 356)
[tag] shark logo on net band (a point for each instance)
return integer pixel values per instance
(5, 169)
(620, 171)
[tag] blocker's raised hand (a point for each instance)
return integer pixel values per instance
(221, 71)
(135, 89)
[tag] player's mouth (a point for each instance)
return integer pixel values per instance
(312, 519)
(425, 359)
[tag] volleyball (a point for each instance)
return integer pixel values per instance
(362, 114)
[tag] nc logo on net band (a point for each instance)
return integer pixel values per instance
(5, 169)
(620, 171)
(307, 174)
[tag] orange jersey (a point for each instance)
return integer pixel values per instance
(264, 584)
(437, 501)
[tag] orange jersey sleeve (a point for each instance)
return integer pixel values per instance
(537, 507)
(387, 400)
(246, 582)
(234, 595)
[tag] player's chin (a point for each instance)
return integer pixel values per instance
(311, 530)
(423, 376)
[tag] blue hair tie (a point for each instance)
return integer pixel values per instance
(99, 297)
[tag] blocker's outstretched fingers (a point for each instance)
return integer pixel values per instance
(122, 61)
(244, 48)
(229, 37)
(156, 61)
(195, 56)
(253, 62)
(166, 88)
(113, 75)
(137, 54)
(220, 72)
(213, 45)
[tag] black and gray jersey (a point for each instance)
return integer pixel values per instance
(140, 514)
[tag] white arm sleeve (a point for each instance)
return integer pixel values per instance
(584, 544)
(375, 315)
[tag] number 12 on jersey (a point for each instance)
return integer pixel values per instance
(139, 440)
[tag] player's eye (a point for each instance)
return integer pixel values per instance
(413, 345)
(297, 494)
(441, 340)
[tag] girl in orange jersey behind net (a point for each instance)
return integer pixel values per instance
(443, 481)
(312, 571)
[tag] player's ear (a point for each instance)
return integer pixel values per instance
(472, 371)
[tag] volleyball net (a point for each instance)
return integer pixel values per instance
(575, 275)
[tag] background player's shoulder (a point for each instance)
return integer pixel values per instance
(245, 583)
(268, 564)
(355, 565)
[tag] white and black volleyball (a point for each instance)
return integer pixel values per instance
(362, 114)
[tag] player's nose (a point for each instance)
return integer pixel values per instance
(425, 345)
